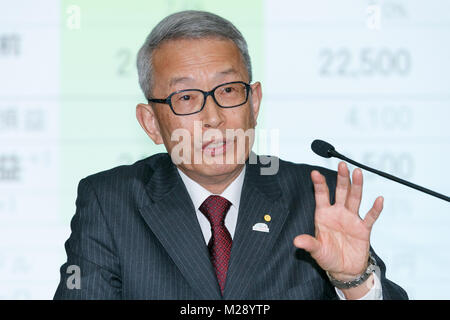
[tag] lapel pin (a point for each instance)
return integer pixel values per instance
(267, 217)
(261, 227)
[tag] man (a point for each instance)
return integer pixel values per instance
(202, 221)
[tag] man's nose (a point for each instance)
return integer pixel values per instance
(212, 114)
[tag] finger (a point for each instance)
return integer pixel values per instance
(374, 212)
(307, 242)
(321, 192)
(343, 183)
(354, 197)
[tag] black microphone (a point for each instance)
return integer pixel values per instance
(326, 150)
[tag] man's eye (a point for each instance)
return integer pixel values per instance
(185, 97)
(228, 89)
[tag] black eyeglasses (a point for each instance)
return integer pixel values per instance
(190, 101)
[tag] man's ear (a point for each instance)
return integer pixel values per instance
(147, 119)
(255, 100)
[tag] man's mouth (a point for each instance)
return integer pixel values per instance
(214, 148)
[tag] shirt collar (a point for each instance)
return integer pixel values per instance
(199, 194)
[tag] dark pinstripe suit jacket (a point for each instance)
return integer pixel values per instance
(135, 235)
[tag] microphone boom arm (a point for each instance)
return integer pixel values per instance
(336, 154)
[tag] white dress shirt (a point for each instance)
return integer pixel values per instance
(232, 193)
(199, 194)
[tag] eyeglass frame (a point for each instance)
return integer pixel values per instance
(168, 100)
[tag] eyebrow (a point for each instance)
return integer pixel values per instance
(227, 72)
(178, 80)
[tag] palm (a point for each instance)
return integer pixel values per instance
(342, 239)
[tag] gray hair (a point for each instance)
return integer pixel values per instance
(187, 25)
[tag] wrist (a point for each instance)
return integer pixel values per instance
(347, 281)
(361, 291)
(345, 277)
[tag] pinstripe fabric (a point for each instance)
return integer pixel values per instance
(135, 236)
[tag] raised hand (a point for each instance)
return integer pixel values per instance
(342, 239)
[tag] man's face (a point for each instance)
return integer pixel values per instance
(200, 64)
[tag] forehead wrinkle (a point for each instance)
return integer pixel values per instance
(195, 68)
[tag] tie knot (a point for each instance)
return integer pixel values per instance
(215, 209)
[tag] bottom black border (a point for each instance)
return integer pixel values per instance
(242, 309)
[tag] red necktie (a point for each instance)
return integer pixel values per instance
(215, 209)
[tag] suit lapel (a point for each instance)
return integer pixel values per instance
(261, 195)
(172, 218)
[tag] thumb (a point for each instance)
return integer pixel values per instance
(307, 242)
